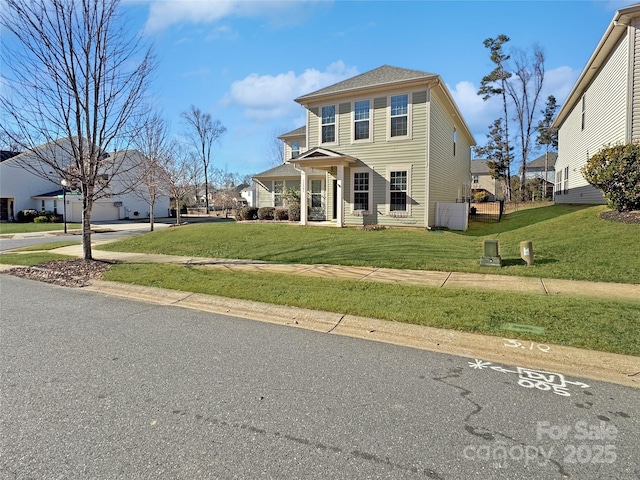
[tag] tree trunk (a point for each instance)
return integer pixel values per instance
(151, 216)
(87, 204)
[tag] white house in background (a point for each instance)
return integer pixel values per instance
(603, 108)
(22, 189)
(384, 147)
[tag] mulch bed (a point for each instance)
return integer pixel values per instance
(626, 217)
(67, 273)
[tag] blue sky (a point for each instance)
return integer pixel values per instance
(245, 61)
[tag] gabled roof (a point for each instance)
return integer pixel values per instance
(479, 167)
(539, 162)
(382, 76)
(617, 28)
(284, 170)
(298, 132)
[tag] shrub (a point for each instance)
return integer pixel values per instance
(481, 196)
(616, 171)
(294, 212)
(266, 213)
(281, 213)
(41, 219)
(26, 216)
(248, 213)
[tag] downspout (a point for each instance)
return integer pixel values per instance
(427, 173)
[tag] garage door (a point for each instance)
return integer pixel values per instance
(101, 212)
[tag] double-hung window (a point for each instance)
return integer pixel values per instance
(295, 149)
(361, 120)
(361, 190)
(278, 190)
(328, 124)
(398, 194)
(399, 116)
(566, 181)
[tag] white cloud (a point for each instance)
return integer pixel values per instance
(477, 113)
(266, 97)
(164, 13)
(559, 82)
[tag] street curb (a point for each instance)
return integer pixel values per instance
(608, 367)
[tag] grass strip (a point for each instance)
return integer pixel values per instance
(31, 259)
(45, 246)
(597, 324)
(13, 227)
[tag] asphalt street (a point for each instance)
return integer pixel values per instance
(94, 386)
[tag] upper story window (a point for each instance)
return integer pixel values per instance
(455, 140)
(361, 117)
(328, 124)
(295, 149)
(584, 108)
(399, 116)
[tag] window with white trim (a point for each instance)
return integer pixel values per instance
(361, 120)
(316, 193)
(328, 134)
(566, 180)
(399, 190)
(295, 149)
(399, 116)
(455, 139)
(476, 179)
(361, 190)
(559, 182)
(584, 111)
(278, 190)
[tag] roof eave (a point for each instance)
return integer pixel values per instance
(305, 100)
(615, 30)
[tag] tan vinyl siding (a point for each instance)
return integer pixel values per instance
(313, 127)
(264, 195)
(605, 123)
(449, 174)
(634, 128)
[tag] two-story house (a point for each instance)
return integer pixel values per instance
(379, 148)
(603, 108)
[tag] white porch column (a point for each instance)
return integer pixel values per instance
(303, 196)
(340, 195)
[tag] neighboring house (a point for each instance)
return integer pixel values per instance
(379, 148)
(536, 170)
(249, 195)
(481, 181)
(22, 189)
(603, 108)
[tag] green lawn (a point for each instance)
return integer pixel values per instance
(569, 242)
(8, 228)
(597, 324)
(30, 259)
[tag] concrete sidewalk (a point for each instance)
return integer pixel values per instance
(608, 367)
(542, 286)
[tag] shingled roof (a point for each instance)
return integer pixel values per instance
(383, 75)
(298, 132)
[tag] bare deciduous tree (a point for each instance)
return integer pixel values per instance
(204, 131)
(74, 82)
(177, 170)
(156, 150)
(275, 148)
(524, 91)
